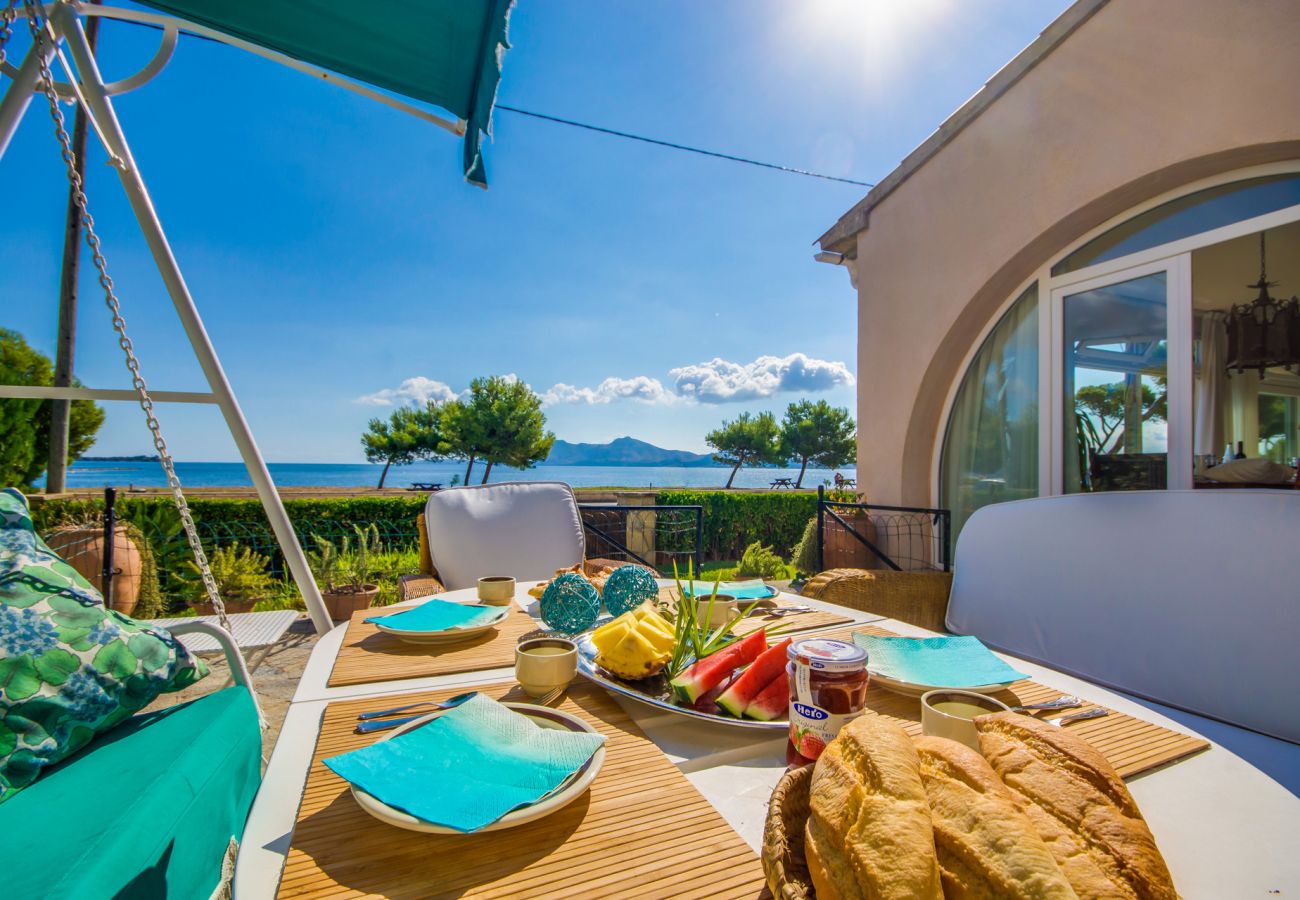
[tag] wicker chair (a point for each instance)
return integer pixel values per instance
(427, 582)
(918, 598)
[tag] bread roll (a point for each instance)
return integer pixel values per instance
(987, 847)
(869, 836)
(1080, 806)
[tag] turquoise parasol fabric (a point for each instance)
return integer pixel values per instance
(444, 52)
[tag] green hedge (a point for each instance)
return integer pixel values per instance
(732, 521)
(735, 519)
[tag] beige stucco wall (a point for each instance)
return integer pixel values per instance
(1145, 96)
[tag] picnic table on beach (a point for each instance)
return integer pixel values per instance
(1224, 827)
(782, 482)
(426, 485)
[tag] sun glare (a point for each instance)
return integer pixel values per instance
(886, 34)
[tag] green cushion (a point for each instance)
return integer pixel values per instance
(69, 668)
(146, 811)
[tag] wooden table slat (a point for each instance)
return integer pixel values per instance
(642, 830)
(369, 656)
(1129, 744)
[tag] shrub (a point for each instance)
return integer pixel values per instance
(805, 559)
(239, 573)
(733, 520)
(760, 562)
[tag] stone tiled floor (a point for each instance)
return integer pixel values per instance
(275, 679)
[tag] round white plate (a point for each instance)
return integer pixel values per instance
(568, 791)
(447, 635)
(916, 690)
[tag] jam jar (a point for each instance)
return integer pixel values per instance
(828, 688)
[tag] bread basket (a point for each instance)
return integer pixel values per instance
(784, 862)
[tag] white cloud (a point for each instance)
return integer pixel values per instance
(720, 381)
(715, 381)
(415, 391)
(642, 388)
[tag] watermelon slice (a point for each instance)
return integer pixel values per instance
(772, 702)
(752, 681)
(707, 673)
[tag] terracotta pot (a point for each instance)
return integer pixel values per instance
(83, 549)
(842, 550)
(233, 605)
(342, 604)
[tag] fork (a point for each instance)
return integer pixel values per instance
(436, 704)
(1064, 702)
(1094, 713)
(369, 727)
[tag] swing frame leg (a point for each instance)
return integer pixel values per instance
(67, 27)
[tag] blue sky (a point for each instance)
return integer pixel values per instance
(336, 254)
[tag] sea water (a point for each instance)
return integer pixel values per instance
(233, 474)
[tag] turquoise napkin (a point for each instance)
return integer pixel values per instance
(953, 661)
(438, 615)
(741, 590)
(468, 767)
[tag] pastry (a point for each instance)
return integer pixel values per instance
(869, 833)
(987, 847)
(1079, 805)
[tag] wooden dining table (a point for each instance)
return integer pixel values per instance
(1224, 827)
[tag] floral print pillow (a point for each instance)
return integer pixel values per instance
(70, 668)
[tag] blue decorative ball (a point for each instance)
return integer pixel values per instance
(627, 587)
(570, 604)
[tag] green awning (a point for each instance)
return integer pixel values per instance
(444, 52)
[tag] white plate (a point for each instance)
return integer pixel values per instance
(916, 690)
(569, 790)
(446, 635)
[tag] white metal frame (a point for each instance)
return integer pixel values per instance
(91, 90)
(1050, 465)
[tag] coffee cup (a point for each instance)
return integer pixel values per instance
(544, 664)
(950, 713)
(496, 590)
(724, 609)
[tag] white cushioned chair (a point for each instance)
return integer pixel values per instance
(1184, 598)
(524, 529)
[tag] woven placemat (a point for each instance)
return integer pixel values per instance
(368, 655)
(806, 621)
(1131, 745)
(642, 830)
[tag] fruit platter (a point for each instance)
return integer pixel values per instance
(673, 660)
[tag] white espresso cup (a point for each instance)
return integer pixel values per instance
(724, 609)
(950, 713)
(544, 664)
(496, 590)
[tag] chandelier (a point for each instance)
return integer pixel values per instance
(1264, 333)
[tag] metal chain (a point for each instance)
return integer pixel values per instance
(38, 30)
(7, 15)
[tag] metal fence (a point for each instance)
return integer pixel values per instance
(654, 536)
(867, 536)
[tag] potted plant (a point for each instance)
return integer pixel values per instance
(841, 550)
(343, 571)
(241, 576)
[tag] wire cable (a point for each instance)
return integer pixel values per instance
(609, 131)
(684, 147)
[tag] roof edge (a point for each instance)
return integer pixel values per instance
(839, 237)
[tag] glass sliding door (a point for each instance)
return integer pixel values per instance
(1117, 388)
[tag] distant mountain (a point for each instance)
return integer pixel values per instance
(141, 458)
(624, 451)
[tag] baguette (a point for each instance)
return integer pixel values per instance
(987, 847)
(869, 836)
(1080, 807)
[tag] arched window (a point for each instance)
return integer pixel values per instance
(990, 449)
(1192, 214)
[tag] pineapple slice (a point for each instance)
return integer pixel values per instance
(633, 658)
(607, 636)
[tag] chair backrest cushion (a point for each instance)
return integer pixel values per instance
(1187, 598)
(524, 529)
